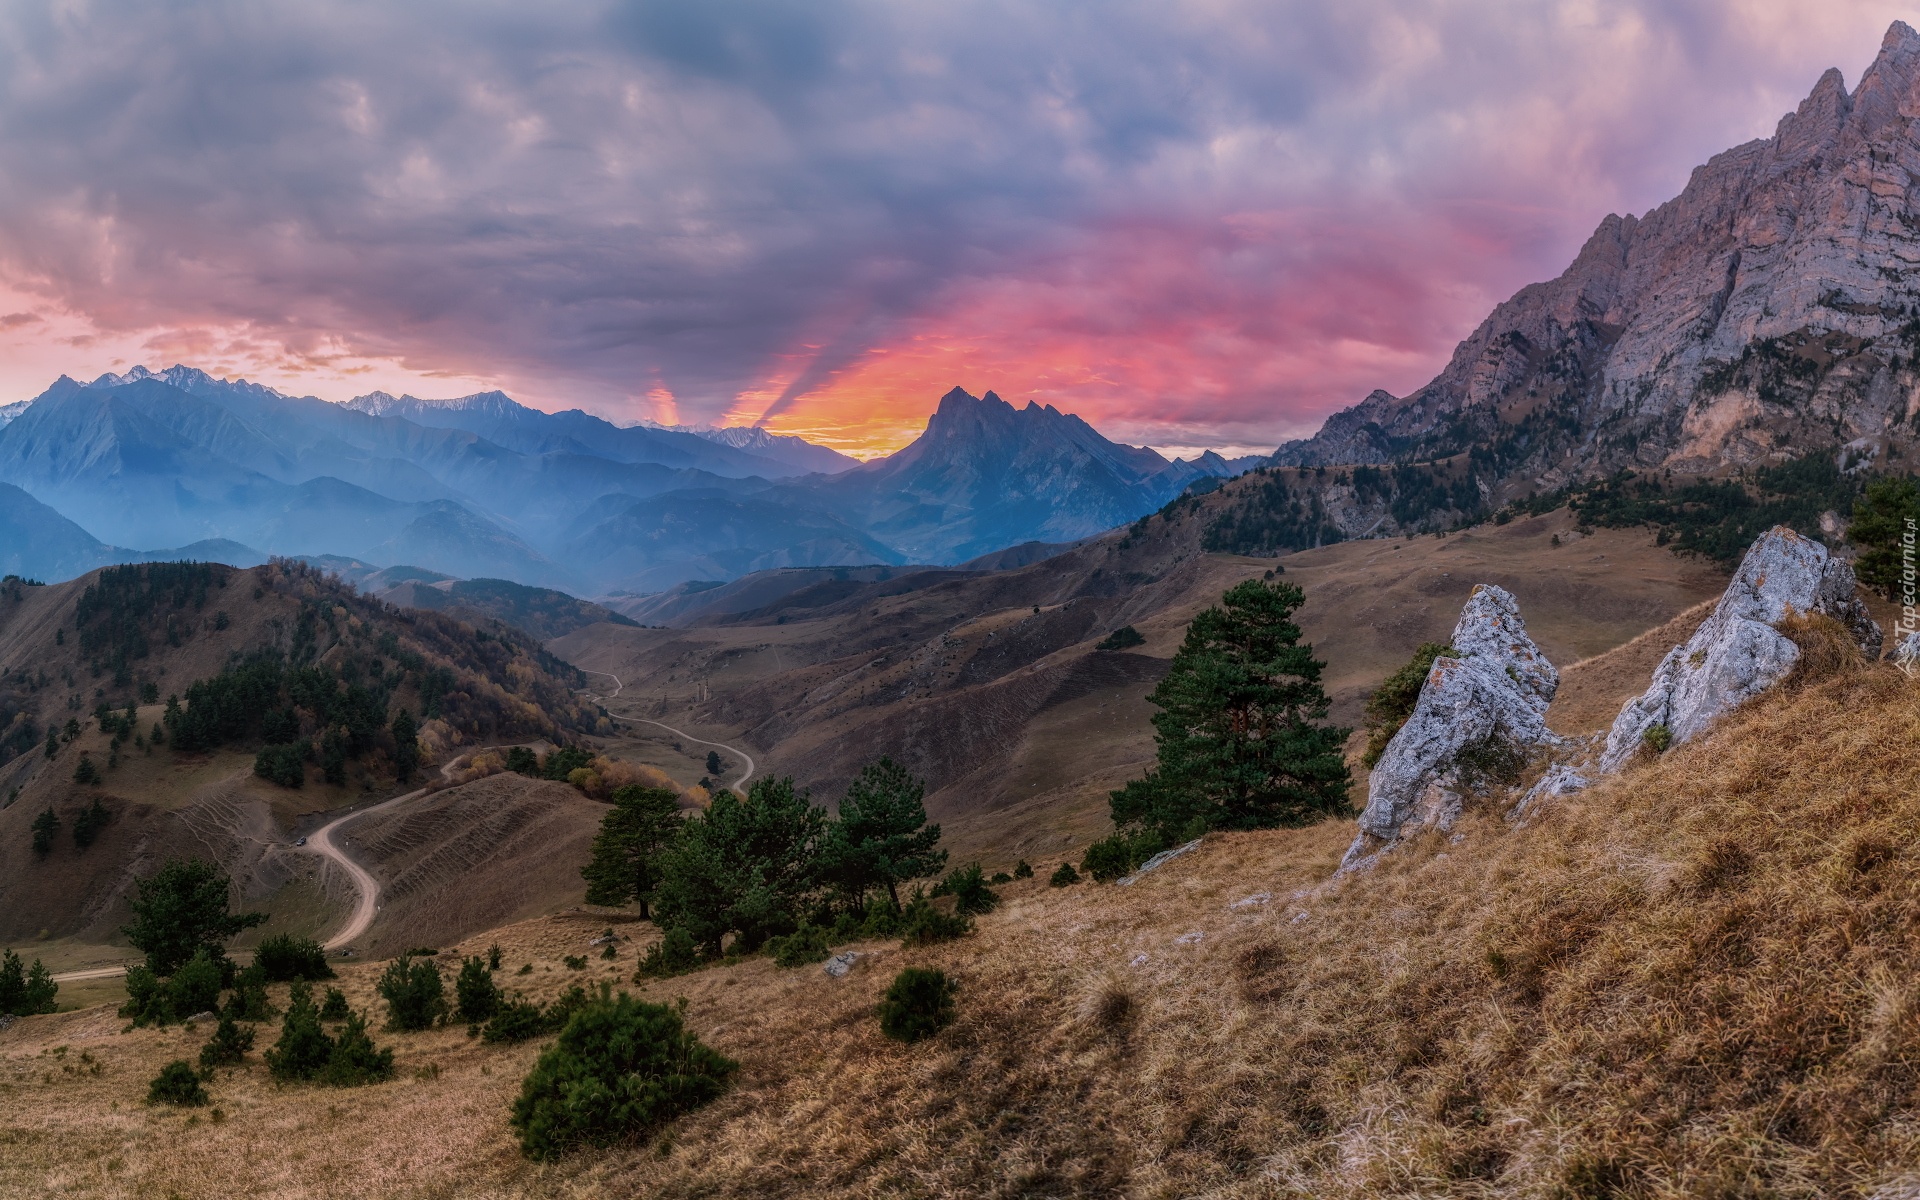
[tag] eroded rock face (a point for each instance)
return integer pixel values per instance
(1737, 653)
(1478, 715)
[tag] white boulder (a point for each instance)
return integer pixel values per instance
(1486, 704)
(1738, 653)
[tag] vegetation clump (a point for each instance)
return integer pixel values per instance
(178, 1084)
(1063, 876)
(476, 996)
(25, 991)
(1121, 639)
(228, 1045)
(1394, 700)
(415, 994)
(918, 1004)
(181, 911)
(283, 958)
(620, 1068)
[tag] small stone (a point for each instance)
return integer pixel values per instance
(1258, 898)
(1188, 939)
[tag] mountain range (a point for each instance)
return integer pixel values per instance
(1768, 314)
(484, 487)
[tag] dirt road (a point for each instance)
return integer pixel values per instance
(739, 784)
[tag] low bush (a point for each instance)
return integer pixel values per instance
(1023, 871)
(476, 996)
(178, 1083)
(354, 1059)
(1063, 876)
(283, 958)
(882, 920)
(674, 954)
(918, 1004)
(516, 1021)
(620, 1068)
(575, 962)
(304, 1048)
(228, 1045)
(808, 944)
(1121, 639)
(969, 890)
(415, 994)
(334, 1007)
(249, 999)
(923, 925)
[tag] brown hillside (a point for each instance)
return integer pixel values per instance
(498, 685)
(1692, 980)
(1020, 725)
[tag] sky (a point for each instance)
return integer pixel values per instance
(1202, 224)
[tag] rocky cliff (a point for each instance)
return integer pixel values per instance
(1770, 310)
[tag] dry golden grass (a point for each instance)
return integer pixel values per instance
(1698, 979)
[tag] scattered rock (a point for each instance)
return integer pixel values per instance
(1253, 901)
(1737, 653)
(840, 964)
(1188, 939)
(198, 1017)
(1158, 860)
(1479, 716)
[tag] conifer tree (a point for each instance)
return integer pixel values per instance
(406, 746)
(44, 827)
(182, 909)
(627, 850)
(881, 838)
(25, 991)
(743, 866)
(1240, 744)
(304, 1048)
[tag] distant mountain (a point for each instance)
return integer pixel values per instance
(703, 600)
(542, 612)
(506, 422)
(785, 448)
(986, 475)
(665, 540)
(449, 538)
(39, 543)
(9, 411)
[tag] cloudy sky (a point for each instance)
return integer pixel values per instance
(1205, 223)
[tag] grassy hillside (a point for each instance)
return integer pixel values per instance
(1020, 725)
(141, 634)
(1693, 980)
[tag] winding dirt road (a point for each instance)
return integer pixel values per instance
(738, 784)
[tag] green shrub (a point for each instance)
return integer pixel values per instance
(1064, 876)
(304, 1048)
(1390, 704)
(620, 1067)
(422, 952)
(523, 760)
(1121, 854)
(249, 999)
(1120, 639)
(476, 996)
(493, 957)
(283, 958)
(334, 1007)
(845, 928)
(918, 1004)
(284, 765)
(674, 954)
(355, 1060)
(228, 1045)
(517, 1021)
(178, 1083)
(25, 991)
(1000, 877)
(575, 962)
(969, 889)
(808, 944)
(415, 994)
(882, 920)
(922, 925)
(1657, 738)
(1023, 871)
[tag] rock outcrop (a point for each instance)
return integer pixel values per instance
(1479, 716)
(1766, 306)
(1738, 653)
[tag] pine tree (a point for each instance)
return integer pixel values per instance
(476, 996)
(1879, 526)
(1239, 743)
(304, 1048)
(406, 746)
(182, 909)
(627, 851)
(228, 1045)
(354, 1059)
(881, 838)
(23, 991)
(414, 992)
(746, 865)
(44, 827)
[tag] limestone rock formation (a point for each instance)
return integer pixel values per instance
(1737, 653)
(1479, 715)
(1768, 306)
